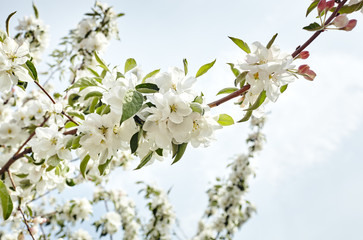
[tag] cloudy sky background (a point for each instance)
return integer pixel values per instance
(309, 181)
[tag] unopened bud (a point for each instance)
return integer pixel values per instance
(305, 71)
(321, 6)
(351, 24)
(304, 54)
(341, 21)
(329, 5)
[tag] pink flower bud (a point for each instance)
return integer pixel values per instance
(329, 5)
(351, 24)
(304, 54)
(305, 71)
(341, 21)
(321, 6)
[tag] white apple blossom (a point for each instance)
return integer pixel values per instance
(111, 222)
(76, 210)
(81, 234)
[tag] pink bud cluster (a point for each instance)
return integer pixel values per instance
(342, 22)
(324, 5)
(304, 69)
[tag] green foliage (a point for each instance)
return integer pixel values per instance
(312, 6)
(246, 117)
(149, 75)
(269, 44)
(102, 167)
(196, 107)
(7, 22)
(130, 64)
(36, 13)
(185, 63)
(227, 90)
(101, 62)
(6, 202)
(32, 70)
(180, 152)
(145, 160)
(93, 94)
(261, 98)
(225, 120)
(147, 88)
(203, 69)
(313, 27)
(283, 88)
(235, 71)
(83, 83)
(132, 103)
(83, 165)
(241, 44)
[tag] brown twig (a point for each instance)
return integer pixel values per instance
(19, 208)
(19, 154)
(294, 54)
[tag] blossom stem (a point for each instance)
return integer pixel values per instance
(230, 96)
(317, 33)
(19, 208)
(52, 100)
(19, 154)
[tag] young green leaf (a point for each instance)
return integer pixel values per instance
(93, 94)
(6, 202)
(227, 90)
(350, 8)
(149, 75)
(225, 120)
(84, 83)
(7, 22)
(130, 64)
(203, 69)
(100, 62)
(102, 167)
(246, 117)
(235, 71)
(196, 107)
(70, 124)
(32, 70)
(53, 160)
(313, 27)
(241, 79)
(185, 63)
(147, 88)
(133, 101)
(76, 114)
(180, 152)
(145, 160)
(134, 142)
(269, 44)
(83, 165)
(2, 36)
(36, 13)
(312, 6)
(283, 88)
(261, 98)
(244, 46)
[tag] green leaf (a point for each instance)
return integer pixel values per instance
(246, 117)
(261, 98)
(147, 88)
(84, 83)
(130, 64)
(75, 114)
(185, 63)
(32, 70)
(269, 44)
(283, 88)
(196, 107)
(145, 160)
(149, 75)
(312, 6)
(53, 160)
(2, 36)
(313, 27)
(120, 14)
(36, 13)
(103, 167)
(199, 99)
(73, 98)
(159, 151)
(6, 203)
(100, 62)
(235, 71)
(132, 103)
(93, 72)
(93, 104)
(7, 22)
(227, 90)
(119, 75)
(93, 94)
(134, 142)
(70, 125)
(83, 165)
(244, 46)
(350, 9)
(180, 152)
(203, 69)
(70, 182)
(75, 142)
(241, 79)
(22, 84)
(225, 120)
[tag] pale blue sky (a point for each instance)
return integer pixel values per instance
(309, 180)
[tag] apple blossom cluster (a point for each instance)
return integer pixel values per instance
(12, 60)
(32, 30)
(125, 207)
(163, 216)
(228, 209)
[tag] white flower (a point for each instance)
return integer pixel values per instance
(112, 222)
(81, 235)
(77, 209)
(96, 41)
